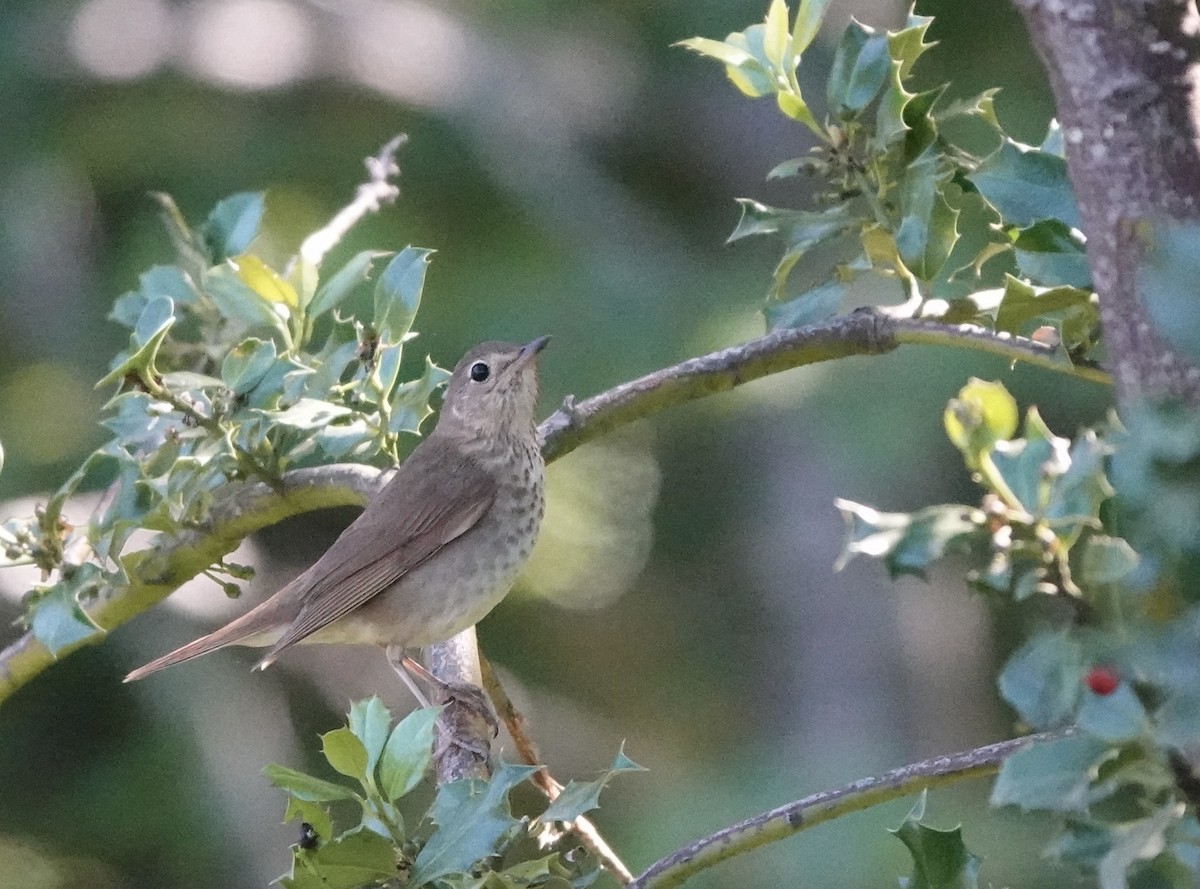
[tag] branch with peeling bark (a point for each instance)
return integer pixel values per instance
(244, 508)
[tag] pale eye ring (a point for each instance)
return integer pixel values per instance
(480, 371)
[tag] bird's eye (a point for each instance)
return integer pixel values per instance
(480, 371)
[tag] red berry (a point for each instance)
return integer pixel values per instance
(1102, 680)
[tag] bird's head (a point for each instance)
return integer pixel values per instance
(493, 390)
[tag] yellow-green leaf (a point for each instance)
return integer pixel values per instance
(264, 280)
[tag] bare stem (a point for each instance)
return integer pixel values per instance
(582, 827)
(827, 805)
(371, 195)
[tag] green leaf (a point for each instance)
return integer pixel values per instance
(236, 301)
(1043, 680)
(1168, 281)
(233, 224)
(306, 787)
(726, 53)
(808, 308)
(341, 284)
(1053, 775)
(1117, 717)
(775, 34)
(1052, 254)
(908, 544)
(927, 223)
(369, 722)
(909, 44)
(1024, 308)
(410, 403)
(159, 280)
(58, 621)
(982, 414)
(940, 858)
(407, 754)
(147, 338)
(345, 753)
(351, 861)
(860, 66)
(808, 22)
(310, 413)
(579, 797)
(472, 819)
(1026, 186)
(311, 813)
(800, 229)
(246, 364)
(398, 293)
(1105, 560)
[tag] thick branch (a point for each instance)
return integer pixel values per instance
(826, 806)
(176, 558)
(1125, 79)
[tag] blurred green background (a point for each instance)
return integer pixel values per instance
(576, 175)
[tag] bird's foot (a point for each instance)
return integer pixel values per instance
(463, 694)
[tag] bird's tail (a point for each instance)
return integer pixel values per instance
(258, 621)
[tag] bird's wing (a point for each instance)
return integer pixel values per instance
(427, 505)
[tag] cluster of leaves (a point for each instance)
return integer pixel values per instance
(1117, 653)
(467, 839)
(987, 240)
(234, 370)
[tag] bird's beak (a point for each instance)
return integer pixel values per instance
(530, 350)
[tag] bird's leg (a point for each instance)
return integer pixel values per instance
(469, 696)
(400, 663)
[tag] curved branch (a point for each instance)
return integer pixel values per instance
(175, 558)
(159, 570)
(865, 332)
(828, 805)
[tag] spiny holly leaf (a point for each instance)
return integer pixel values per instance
(310, 813)
(347, 862)
(1054, 775)
(410, 402)
(940, 858)
(927, 232)
(147, 338)
(407, 753)
(583, 796)
(472, 819)
(1023, 308)
(1053, 254)
(398, 293)
(1026, 185)
(334, 291)
(58, 621)
(1117, 717)
(908, 543)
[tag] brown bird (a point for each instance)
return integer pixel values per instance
(442, 543)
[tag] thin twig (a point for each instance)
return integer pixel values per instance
(827, 805)
(371, 195)
(583, 828)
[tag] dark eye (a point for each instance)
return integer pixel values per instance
(480, 371)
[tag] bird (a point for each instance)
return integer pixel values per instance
(441, 544)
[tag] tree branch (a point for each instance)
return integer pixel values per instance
(828, 805)
(1125, 79)
(175, 558)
